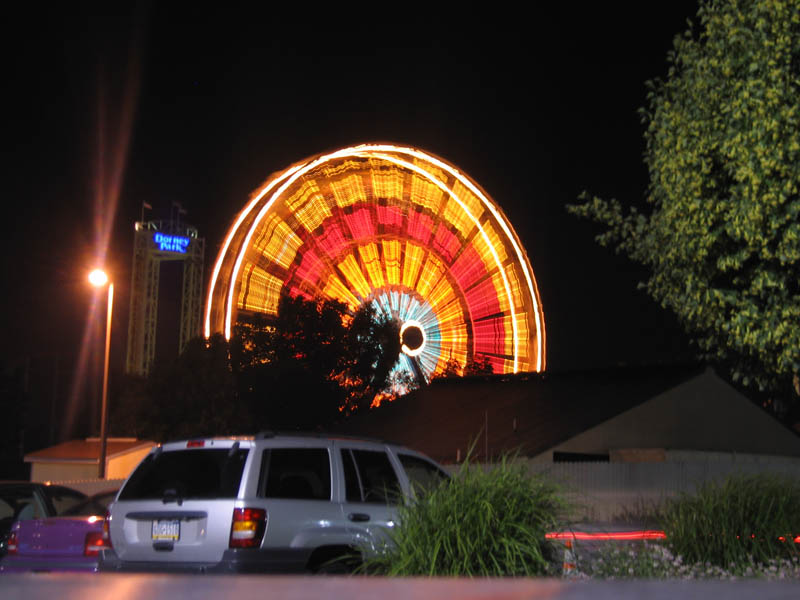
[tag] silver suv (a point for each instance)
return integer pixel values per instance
(269, 503)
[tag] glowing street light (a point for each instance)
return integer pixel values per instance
(98, 279)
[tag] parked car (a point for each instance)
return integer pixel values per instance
(24, 500)
(68, 542)
(269, 503)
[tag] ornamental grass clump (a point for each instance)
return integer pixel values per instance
(482, 522)
(742, 520)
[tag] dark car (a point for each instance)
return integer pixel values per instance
(24, 500)
(68, 542)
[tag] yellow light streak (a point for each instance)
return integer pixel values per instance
(334, 288)
(372, 263)
(348, 190)
(352, 272)
(411, 264)
(424, 193)
(432, 271)
(391, 258)
(259, 291)
(226, 244)
(388, 183)
(278, 242)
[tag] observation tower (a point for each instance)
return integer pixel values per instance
(156, 242)
(396, 227)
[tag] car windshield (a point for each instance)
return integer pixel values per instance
(186, 474)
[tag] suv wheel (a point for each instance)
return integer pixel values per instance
(334, 560)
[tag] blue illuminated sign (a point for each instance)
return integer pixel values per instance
(171, 243)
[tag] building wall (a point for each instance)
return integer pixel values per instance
(52, 471)
(703, 414)
(605, 492)
(120, 466)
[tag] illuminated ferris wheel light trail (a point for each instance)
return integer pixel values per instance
(226, 244)
(511, 237)
(411, 323)
(475, 221)
(364, 263)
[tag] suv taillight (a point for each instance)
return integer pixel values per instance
(11, 544)
(247, 527)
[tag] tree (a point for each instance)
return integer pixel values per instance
(720, 235)
(314, 362)
(193, 396)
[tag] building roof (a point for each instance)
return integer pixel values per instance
(531, 413)
(86, 451)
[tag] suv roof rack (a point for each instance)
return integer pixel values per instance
(267, 434)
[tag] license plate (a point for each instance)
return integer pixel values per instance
(167, 529)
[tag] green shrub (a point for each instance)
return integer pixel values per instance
(483, 522)
(742, 520)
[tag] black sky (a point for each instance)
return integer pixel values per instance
(535, 106)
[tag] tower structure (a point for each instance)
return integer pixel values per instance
(154, 243)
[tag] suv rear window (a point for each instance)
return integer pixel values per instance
(187, 474)
(298, 473)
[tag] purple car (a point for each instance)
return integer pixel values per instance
(69, 542)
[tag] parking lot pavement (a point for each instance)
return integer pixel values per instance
(43, 586)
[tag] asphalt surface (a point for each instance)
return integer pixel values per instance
(46, 586)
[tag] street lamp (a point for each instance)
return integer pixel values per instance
(98, 279)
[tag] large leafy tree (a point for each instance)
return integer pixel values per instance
(314, 362)
(721, 231)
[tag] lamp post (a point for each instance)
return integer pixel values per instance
(98, 279)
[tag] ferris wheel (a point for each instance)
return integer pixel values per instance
(398, 228)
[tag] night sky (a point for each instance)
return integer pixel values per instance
(535, 107)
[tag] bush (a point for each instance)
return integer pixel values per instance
(743, 520)
(480, 523)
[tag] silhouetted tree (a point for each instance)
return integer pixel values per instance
(13, 403)
(478, 365)
(313, 363)
(194, 396)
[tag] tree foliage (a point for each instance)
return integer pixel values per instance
(314, 362)
(721, 234)
(476, 366)
(193, 396)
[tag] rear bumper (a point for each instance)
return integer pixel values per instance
(288, 560)
(24, 564)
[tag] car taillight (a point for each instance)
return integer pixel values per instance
(95, 541)
(247, 527)
(11, 543)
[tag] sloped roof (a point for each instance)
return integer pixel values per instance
(86, 451)
(529, 412)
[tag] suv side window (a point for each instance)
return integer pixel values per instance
(422, 474)
(370, 477)
(297, 473)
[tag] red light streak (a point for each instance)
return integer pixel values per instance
(645, 534)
